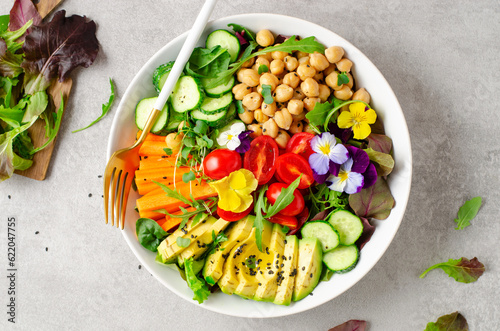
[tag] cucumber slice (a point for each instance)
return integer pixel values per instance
(174, 119)
(226, 40)
(212, 120)
(187, 94)
(342, 259)
(348, 225)
(143, 110)
(324, 232)
(160, 75)
(212, 106)
(230, 116)
(219, 90)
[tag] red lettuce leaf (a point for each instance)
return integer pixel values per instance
(462, 270)
(22, 11)
(384, 163)
(10, 64)
(56, 48)
(367, 233)
(380, 143)
(375, 201)
(352, 325)
(452, 322)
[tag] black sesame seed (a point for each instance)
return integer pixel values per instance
(37, 232)
(90, 195)
(303, 268)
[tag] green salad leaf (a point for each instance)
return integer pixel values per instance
(384, 163)
(262, 69)
(149, 233)
(4, 22)
(375, 201)
(198, 286)
(52, 124)
(208, 62)
(462, 270)
(342, 78)
(260, 208)
(467, 212)
(182, 242)
(451, 322)
(284, 199)
(243, 31)
(105, 107)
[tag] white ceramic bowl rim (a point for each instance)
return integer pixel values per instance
(383, 101)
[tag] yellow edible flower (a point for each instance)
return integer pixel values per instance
(235, 190)
(359, 117)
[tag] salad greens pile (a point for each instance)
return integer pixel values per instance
(33, 55)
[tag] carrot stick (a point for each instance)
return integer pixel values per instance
(151, 147)
(151, 136)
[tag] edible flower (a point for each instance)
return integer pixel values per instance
(245, 141)
(354, 174)
(230, 138)
(359, 117)
(326, 151)
(235, 190)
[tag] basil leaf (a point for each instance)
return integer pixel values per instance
(284, 199)
(198, 286)
(262, 68)
(149, 233)
(182, 242)
(462, 270)
(451, 322)
(467, 212)
(266, 93)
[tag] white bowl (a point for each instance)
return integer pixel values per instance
(123, 131)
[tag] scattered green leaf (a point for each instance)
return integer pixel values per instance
(262, 69)
(189, 176)
(267, 94)
(243, 31)
(467, 212)
(208, 62)
(342, 78)
(182, 242)
(452, 322)
(174, 194)
(384, 163)
(52, 124)
(168, 151)
(462, 270)
(149, 233)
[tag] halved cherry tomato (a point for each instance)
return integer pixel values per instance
(300, 143)
(233, 217)
(290, 221)
(289, 166)
(294, 208)
(301, 219)
(261, 158)
(221, 162)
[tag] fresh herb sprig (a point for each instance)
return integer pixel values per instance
(322, 198)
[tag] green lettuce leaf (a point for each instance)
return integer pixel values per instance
(37, 103)
(467, 212)
(149, 233)
(462, 270)
(375, 201)
(198, 286)
(208, 63)
(6, 87)
(452, 322)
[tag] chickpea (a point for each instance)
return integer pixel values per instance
(269, 79)
(296, 127)
(283, 118)
(305, 71)
(330, 69)
(344, 65)
(334, 54)
(332, 80)
(277, 66)
(309, 103)
(300, 54)
(318, 61)
(308, 128)
(278, 55)
(295, 107)
(174, 141)
(319, 77)
(299, 117)
(259, 116)
(257, 130)
(282, 138)
(291, 63)
(247, 116)
(324, 92)
(265, 38)
(249, 76)
(258, 89)
(252, 101)
(298, 94)
(248, 63)
(269, 109)
(345, 93)
(267, 56)
(291, 79)
(240, 90)
(270, 128)
(310, 87)
(283, 93)
(362, 95)
(351, 80)
(304, 60)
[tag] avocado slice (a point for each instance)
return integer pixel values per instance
(309, 264)
(286, 281)
(200, 244)
(239, 231)
(268, 279)
(168, 248)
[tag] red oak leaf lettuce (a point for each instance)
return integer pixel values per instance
(380, 143)
(22, 11)
(452, 322)
(56, 48)
(462, 270)
(352, 325)
(367, 233)
(375, 201)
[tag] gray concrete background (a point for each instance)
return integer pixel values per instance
(442, 60)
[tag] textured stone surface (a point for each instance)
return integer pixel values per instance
(441, 58)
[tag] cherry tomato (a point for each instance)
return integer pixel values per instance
(301, 219)
(294, 208)
(221, 162)
(300, 143)
(289, 166)
(290, 221)
(233, 217)
(261, 158)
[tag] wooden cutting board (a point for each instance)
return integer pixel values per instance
(41, 159)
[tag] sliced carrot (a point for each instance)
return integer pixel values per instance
(151, 147)
(151, 136)
(157, 199)
(156, 161)
(145, 179)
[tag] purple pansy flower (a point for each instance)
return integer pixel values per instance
(245, 141)
(326, 151)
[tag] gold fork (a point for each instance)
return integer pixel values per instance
(120, 169)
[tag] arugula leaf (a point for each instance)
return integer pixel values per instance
(467, 212)
(244, 31)
(258, 223)
(189, 176)
(284, 199)
(318, 115)
(52, 124)
(375, 201)
(266, 93)
(208, 62)
(198, 286)
(10, 37)
(22, 146)
(105, 108)
(262, 68)
(462, 270)
(174, 194)
(183, 242)
(149, 233)
(342, 78)
(451, 322)
(384, 163)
